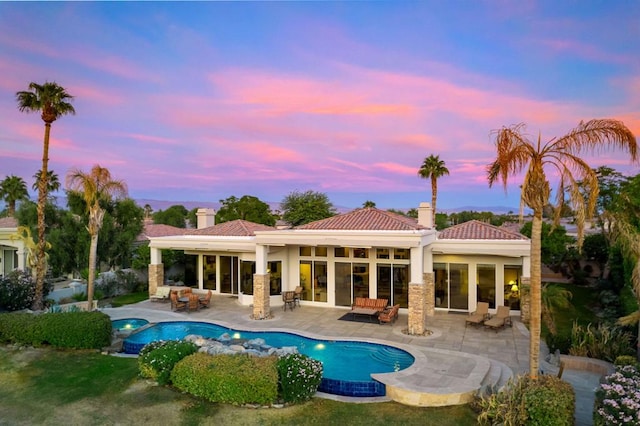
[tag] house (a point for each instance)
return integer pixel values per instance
(363, 253)
(12, 251)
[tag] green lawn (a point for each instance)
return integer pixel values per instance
(52, 387)
(127, 299)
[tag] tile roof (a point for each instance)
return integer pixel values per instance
(234, 228)
(365, 219)
(152, 230)
(8, 222)
(476, 230)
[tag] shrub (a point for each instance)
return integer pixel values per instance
(78, 330)
(545, 401)
(233, 379)
(18, 290)
(618, 399)
(157, 359)
(560, 341)
(627, 360)
(606, 342)
(298, 377)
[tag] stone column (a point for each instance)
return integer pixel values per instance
(156, 277)
(261, 301)
(417, 311)
(430, 295)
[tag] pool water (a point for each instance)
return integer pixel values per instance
(347, 365)
(128, 324)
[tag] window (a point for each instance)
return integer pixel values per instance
(401, 253)
(321, 251)
(382, 253)
(341, 252)
(305, 251)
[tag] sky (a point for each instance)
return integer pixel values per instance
(200, 101)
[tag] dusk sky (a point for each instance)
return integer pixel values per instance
(201, 101)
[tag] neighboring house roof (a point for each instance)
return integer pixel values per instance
(234, 228)
(8, 222)
(365, 219)
(152, 230)
(476, 230)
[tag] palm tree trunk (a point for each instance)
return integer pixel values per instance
(536, 286)
(434, 196)
(93, 249)
(42, 201)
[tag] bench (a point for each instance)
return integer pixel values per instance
(366, 303)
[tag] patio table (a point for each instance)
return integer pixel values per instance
(371, 313)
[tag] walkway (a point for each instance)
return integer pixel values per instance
(451, 364)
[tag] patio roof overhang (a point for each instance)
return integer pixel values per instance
(198, 243)
(505, 248)
(341, 238)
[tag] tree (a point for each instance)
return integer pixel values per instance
(516, 153)
(368, 203)
(52, 102)
(175, 216)
(303, 207)
(553, 245)
(53, 184)
(433, 168)
(148, 210)
(96, 187)
(12, 189)
(246, 208)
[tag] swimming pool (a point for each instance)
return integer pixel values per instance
(347, 365)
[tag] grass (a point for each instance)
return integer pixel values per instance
(51, 387)
(128, 299)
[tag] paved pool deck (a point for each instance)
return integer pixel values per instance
(452, 363)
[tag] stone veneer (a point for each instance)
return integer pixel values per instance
(261, 301)
(430, 302)
(156, 277)
(417, 311)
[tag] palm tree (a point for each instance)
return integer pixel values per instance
(23, 233)
(95, 187)
(12, 189)
(516, 153)
(52, 101)
(433, 168)
(53, 183)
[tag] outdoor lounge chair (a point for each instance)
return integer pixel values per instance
(162, 294)
(177, 305)
(389, 316)
(479, 316)
(206, 300)
(500, 319)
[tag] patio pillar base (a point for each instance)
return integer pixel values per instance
(261, 300)
(417, 299)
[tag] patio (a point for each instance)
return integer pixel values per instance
(451, 364)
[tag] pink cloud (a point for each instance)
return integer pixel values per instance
(400, 169)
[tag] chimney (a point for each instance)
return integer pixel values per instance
(425, 215)
(206, 218)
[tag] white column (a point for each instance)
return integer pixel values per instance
(417, 264)
(156, 256)
(261, 259)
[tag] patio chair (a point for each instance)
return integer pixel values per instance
(389, 316)
(194, 302)
(177, 305)
(479, 316)
(297, 294)
(206, 300)
(500, 319)
(288, 297)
